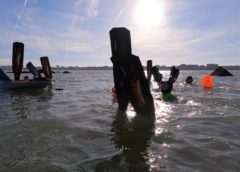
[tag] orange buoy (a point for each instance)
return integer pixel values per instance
(207, 81)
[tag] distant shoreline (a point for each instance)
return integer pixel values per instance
(181, 67)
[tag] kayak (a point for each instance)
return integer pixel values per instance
(35, 84)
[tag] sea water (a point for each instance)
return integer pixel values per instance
(75, 127)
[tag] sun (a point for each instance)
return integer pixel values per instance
(149, 13)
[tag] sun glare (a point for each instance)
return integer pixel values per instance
(149, 13)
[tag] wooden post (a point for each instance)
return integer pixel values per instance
(17, 59)
(130, 82)
(149, 70)
(34, 71)
(3, 76)
(46, 67)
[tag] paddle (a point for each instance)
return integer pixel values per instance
(17, 59)
(3, 76)
(34, 71)
(46, 67)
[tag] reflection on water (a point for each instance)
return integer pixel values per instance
(77, 129)
(18, 111)
(23, 102)
(133, 138)
(163, 114)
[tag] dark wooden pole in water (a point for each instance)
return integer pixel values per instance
(17, 59)
(130, 82)
(46, 67)
(34, 71)
(3, 76)
(149, 70)
(120, 36)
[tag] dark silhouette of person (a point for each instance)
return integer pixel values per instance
(189, 80)
(129, 79)
(165, 86)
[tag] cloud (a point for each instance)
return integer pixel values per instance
(120, 13)
(5, 61)
(77, 47)
(190, 33)
(84, 9)
(92, 8)
(54, 45)
(187, 35)
(19, 16)
(57, 34)
(170, 46)
(207, 36)
(25, 3)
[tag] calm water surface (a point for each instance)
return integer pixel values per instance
(77, 129)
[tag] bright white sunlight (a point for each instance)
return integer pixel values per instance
(149, 13)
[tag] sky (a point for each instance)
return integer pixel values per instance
(76, 32)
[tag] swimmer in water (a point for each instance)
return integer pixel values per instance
(189, 80)
(166, 87)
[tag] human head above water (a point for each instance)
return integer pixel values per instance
(189, 80)
(166, 87)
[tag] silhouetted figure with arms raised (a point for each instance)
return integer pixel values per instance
(129, 79)
(166, 86)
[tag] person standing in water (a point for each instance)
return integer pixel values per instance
(130, 82)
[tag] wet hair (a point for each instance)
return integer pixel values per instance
(189, 80)
(166, 87)
(26, 78)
